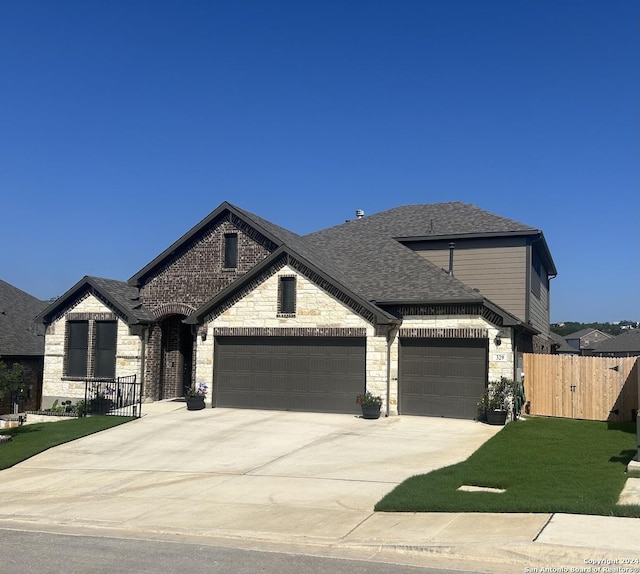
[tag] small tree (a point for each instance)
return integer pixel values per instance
(10, 379)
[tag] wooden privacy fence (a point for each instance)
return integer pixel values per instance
(595, 388)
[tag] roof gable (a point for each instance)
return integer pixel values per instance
(118, 295)
(18, 336)
(281, 257)
(585, 332)
(268, 233)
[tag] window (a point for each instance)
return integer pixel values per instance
(287, 296)
(536, 274)
(230, 250)
(77, 348)
(91, 349)
(105, 355)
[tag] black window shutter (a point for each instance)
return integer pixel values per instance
(105, 358)
(231, 250)
(77, 347)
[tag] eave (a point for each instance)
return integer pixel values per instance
(381, 316)
(225, 206)
(86, 284)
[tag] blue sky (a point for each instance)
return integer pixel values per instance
(124, 123)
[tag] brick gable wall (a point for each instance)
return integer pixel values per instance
(196, 273)
(187, 280)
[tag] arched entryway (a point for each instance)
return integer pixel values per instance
(176, 357)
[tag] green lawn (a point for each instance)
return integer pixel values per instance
(29, 440)
(545, 465)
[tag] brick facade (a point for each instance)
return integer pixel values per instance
(196, 274)
(187, 280)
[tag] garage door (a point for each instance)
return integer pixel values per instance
(318, 374)
(442, 377)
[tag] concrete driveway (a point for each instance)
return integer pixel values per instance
(228, 472)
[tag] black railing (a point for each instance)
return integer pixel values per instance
(119, 397)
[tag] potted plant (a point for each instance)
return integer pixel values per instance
(498, 400)
(195, 397)
(101, 404)
(370, 405)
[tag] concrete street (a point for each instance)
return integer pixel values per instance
(308, 481)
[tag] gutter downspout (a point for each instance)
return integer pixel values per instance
(391, 334)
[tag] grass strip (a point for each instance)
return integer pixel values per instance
(29, 440)
(545, 465)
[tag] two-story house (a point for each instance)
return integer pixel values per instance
(270, 319)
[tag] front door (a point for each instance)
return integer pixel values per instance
(176, 357)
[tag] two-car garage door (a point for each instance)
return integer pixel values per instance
(321, 374)
(442, 377)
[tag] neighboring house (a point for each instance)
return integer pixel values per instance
(270, 319)
(559, 345)
(20, 343)
(626, 344)
(586, 339)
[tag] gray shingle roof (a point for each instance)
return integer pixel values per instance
(17, 326)
(584, 332)
(125, 296)
(301, 246)
(363, 255)
(118, 294)
(627, 342)
(386, 271)
(561, 344)
(371, 263)
(440, 220)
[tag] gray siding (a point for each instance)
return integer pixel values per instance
(496, 267)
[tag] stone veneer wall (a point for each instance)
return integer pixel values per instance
(55, 385)
(501, 359)
(314, 308)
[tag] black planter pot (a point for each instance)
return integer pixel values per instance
(370, 411)
(195, 403)
(100, 406)
(496, 417)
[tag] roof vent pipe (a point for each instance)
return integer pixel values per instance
(359, 213)
(452, 246)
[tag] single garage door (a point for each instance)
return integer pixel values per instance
(442, 377)
(318, 374)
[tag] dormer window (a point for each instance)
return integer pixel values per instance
(230, 250)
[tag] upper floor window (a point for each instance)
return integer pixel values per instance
(287, 295)
(538, 275)
(91, 349)
(230, 250)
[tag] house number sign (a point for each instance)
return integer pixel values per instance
(500, 357)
